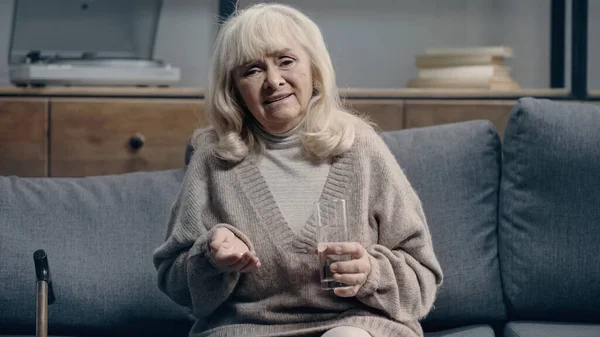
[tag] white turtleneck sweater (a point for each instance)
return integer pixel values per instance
(295, 181)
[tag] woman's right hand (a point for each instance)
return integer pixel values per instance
(231, 253)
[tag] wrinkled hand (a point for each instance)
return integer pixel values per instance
(353, 272)
(231, 253)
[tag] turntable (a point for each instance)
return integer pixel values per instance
(87, 43)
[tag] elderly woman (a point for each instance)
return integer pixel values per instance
(241, 246)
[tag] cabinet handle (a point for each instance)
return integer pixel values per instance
(137, 141)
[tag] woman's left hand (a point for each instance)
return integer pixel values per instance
(353, 272)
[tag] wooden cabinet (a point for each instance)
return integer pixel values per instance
(88, 135)
(387, 114)
(404, 114)
(419, 113)
(23, 137)
(113, 136)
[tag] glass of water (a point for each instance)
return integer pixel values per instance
(331, 228)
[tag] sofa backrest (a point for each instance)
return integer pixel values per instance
(455, 170)
(99, 234)
(550, 211)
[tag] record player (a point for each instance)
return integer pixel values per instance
(87, 43)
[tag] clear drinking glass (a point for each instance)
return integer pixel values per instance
(331, 228)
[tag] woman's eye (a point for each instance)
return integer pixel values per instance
(251, 71)
(286, 62)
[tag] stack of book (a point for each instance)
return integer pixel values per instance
(464, 68)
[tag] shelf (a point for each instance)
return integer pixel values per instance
(151, 92)
(408, 93)
(352, 93)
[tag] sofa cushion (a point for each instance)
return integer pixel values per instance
(99, 234)
(547, 329)
(467, 331)
(550, 211)
(455, 170)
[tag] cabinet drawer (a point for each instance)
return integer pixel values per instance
(425, 113)
(23, 137)
(113, 136)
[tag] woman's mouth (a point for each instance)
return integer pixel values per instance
(277, 99)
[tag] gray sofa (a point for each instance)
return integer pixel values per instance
(515, 224)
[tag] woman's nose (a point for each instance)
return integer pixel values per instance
(274, 79)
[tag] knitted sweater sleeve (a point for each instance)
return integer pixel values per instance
(405, 274)
(187, 271)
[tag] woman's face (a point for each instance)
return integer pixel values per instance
(277, 88)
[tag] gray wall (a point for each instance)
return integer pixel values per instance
(5, 24)
(185, 36)
(372, 43)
